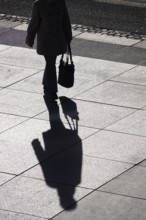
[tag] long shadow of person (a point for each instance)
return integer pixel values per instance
(61, 168)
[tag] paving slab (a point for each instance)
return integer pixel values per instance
(11, 74)
(131, 183)
(110, 52)
(21, 103)
(136, 75)
(21, 27)
(4, 177)
(94, 49)
(132, 124)
(2, 30)
(18, 159)
(114, 146)
(76, 32)
(141, 44)
(30, 84)
(97, 69)
(13, 38)
(105, 206)
(131, 55)
(34, 84)
(3, 47)
(18, 153)
(108, 39)
(117, 93)
(88, 73)
(22, 57)
(144, 108)
(31, 196)
(143, 163)
(95, 115)
(74, 170)
(8, 121)
(101, 71)
(4, 214)
(8, 24)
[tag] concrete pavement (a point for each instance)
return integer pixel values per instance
(92, 167)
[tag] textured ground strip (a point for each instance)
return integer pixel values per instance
(82, 28)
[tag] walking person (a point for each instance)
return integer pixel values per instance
(51, 23)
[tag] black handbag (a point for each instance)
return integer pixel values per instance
(66, 70)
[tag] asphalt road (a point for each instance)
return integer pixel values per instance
(91, 13)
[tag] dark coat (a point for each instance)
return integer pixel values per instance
(51, 24)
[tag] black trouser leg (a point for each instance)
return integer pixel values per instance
(50, 76)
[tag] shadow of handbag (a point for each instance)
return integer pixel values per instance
(66, 70)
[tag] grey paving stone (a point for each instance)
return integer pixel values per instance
(116, 93)
(94, 49)
(111, 52)
(2, 30)
(76, 33)
(133, 124)
(4, 214)
(128, 55)
(13, 38)
(21, 103)
(4, 178)
(22, 57)
(18, 153)
(30, 84)
(3, 47)
(131, 183)
(99, 115)
(136, 76)
(8, 24)
(108, 39)
(21, 27)
(35, 197)
(89, 73)
(105, 206)
(75, 170)
(95, 115)
(114, 146)
(8, 121)
(143, 163)
(11, 74)
(141, 44)
(34, 84)
(97, 69)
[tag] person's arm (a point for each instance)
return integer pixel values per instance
(33, 25)
(67, 24)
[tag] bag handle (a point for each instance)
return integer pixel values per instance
(68, 54)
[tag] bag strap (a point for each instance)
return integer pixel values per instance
(68, 54)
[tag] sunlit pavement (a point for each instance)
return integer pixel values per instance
(93, 168)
